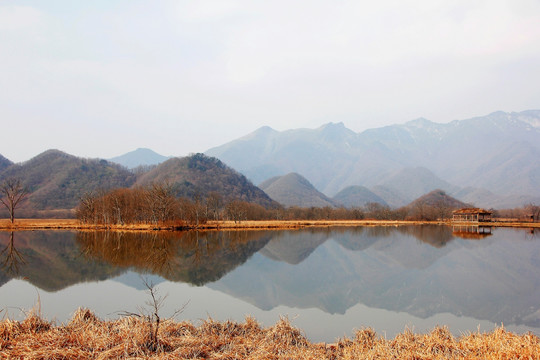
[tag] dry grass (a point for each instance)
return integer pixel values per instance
(31, 224)
(87, 337)
(72, 224)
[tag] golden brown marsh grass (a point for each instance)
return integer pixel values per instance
(72, 224)
(87, 337)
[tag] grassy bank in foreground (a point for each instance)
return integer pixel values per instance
(72, 224)
(87, 337)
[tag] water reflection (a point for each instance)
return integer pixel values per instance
(191, 257)
(404, 270)
(10, 257)
(419, 270)
(49, 260)
(471, 231)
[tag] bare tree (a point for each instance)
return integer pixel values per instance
(161, 202)
(12, 191)
(533, 211)
(214, 203)
(12, 257)
(236, 210)
(86, 211)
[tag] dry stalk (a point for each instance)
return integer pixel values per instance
(151, 317)
(87, 337)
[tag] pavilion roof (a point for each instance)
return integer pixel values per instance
(472, 211)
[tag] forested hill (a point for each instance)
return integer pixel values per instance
(198, 175)
(4, 163)
(56, 180)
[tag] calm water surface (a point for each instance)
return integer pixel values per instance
(328, 282)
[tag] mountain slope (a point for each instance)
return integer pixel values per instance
(414, 182)
(391, 196)
(334, 157)
(294, 190)
(357, 196)
(57, 180)
(4, 163)
(266, 153)
(198, 175)
(139, 157)
(514, 169)
(439, 198)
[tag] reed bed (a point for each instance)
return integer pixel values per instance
(85, 336)
(73, 224)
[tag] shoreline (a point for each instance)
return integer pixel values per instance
(73, 224)
(86, 336)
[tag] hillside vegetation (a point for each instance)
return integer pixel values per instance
(199, 175)
(4, 163)
(57, 181)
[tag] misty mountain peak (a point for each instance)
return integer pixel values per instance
(265, 130)
(333, 125)
(421, 123)
(335, 132)
(333, 157)
(262, 132)
(531, 117)
(138, 157)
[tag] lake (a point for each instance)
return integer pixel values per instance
(328, 281)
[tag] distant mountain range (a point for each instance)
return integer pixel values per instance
(490, 161)
(295, 190)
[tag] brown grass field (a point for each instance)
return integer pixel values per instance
(87, 337)
(73, 224)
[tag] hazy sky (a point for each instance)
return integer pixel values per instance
(101, 78)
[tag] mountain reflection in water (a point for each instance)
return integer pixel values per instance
(191, 257)
(419, 270)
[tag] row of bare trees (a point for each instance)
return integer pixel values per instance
(154, 204)
(157, 204)
(529, 212)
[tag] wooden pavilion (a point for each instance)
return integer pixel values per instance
(471, 215)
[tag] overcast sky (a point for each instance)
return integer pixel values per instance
(102, 78)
